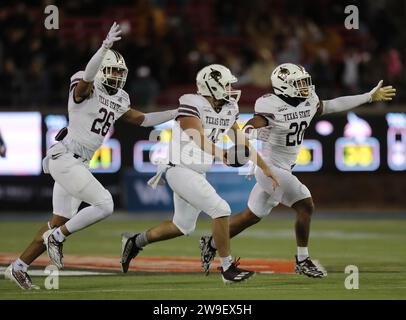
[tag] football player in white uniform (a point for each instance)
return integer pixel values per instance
(280, 121)
(96, 101)
(202, 120)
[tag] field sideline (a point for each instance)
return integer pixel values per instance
(376, 247)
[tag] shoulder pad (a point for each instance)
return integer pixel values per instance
(74, 80)
(124, 95)
(266, 104)
(194, 100)
(191, 105)
(77, 77)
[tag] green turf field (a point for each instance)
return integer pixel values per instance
(377, 247)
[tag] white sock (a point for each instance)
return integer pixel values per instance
(212, 243)
(20, 265)
(58, 235)
(302, 253)
(85, 218)
(226, 262)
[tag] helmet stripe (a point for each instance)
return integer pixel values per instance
(116, 54)
(208, 87)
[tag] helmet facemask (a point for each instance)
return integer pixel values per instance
(114, 77)
(230, 94)
(113, 72)
(303, 86)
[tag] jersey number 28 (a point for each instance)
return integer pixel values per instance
(103, 124)
(295, 137)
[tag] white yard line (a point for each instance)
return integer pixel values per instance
(64, 273)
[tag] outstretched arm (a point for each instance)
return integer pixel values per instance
(148, 119)
(85, 85)
(340, 104)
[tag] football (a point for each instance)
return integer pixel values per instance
(237, 155)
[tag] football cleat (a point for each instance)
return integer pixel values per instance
(54, 248)
(129, 250)
(234, 274)
(207, 253)
(308, 268)
(21, 278)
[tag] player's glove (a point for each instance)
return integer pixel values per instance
(262, 134)
(112, 36)
(380, 93)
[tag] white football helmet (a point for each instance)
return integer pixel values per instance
(113, 71)
(292, 80)
(215, 81)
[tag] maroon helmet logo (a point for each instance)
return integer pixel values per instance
(216, 75)
(283, 74)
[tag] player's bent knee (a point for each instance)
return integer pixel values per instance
(106, 205)
(305, 207)
(308, 207)
(252, 217)
(222, 209)
(185, 228)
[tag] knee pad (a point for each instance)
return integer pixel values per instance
(222, 209)
(106, 205)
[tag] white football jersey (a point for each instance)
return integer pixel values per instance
(186, 153)
(288, 124)
(91, 119)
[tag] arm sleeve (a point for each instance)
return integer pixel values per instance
(263, 109)
(345, 103)
(155, 118)
(94, 64)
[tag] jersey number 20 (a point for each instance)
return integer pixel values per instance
(103, 124)
(295, 137)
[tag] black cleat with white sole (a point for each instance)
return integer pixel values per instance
(308, 268)
(234, 274)
(129, 250)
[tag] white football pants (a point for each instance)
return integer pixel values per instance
(193, 194)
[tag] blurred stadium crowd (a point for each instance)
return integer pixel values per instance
(165, 42)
